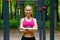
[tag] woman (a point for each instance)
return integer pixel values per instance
(28, 25)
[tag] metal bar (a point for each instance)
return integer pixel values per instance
(51, 19)
(6, 20)
(44, 27)
(37, 10)
(40, 21)
(43, 19)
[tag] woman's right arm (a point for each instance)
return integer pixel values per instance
(21, 26)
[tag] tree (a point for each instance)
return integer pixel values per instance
(55, 13)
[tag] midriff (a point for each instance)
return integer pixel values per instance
(28, 34)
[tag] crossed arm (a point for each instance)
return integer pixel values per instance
(22, 29)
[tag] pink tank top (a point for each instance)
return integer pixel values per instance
(26, 24)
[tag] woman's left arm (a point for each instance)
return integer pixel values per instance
(35, 27)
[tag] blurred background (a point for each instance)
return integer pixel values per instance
(13, 17)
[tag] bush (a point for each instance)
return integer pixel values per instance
(58, 25)
(47, 24)
(13, 23)
(2, 24)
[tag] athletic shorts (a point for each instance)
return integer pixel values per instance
(25, 38)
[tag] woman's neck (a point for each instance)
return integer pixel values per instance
(28, 17)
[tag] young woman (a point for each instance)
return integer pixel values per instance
(28, 25)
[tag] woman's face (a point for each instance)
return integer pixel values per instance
(28, 11)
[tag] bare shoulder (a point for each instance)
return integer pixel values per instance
(22, 19)
(34, 19)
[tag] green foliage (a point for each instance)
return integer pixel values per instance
(58, 25)
(48, 24)
(47, 3)
(13, 23)
(1, 6)
(2, 24)
(59, 8)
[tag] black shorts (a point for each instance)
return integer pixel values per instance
(25, 38)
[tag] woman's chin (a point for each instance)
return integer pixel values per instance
(28, 15)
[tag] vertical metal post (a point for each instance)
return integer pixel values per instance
(6, 20)
(51, 19)
(37, 9)
(40, 21)
(43, 19)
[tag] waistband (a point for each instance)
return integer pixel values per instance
(28, 37)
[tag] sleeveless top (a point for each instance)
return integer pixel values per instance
(28, 24)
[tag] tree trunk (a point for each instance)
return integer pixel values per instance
(55, 13)
(21, 10)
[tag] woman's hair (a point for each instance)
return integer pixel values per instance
(28, 6)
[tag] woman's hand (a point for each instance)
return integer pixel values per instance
(22, 30)
(28, 29)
